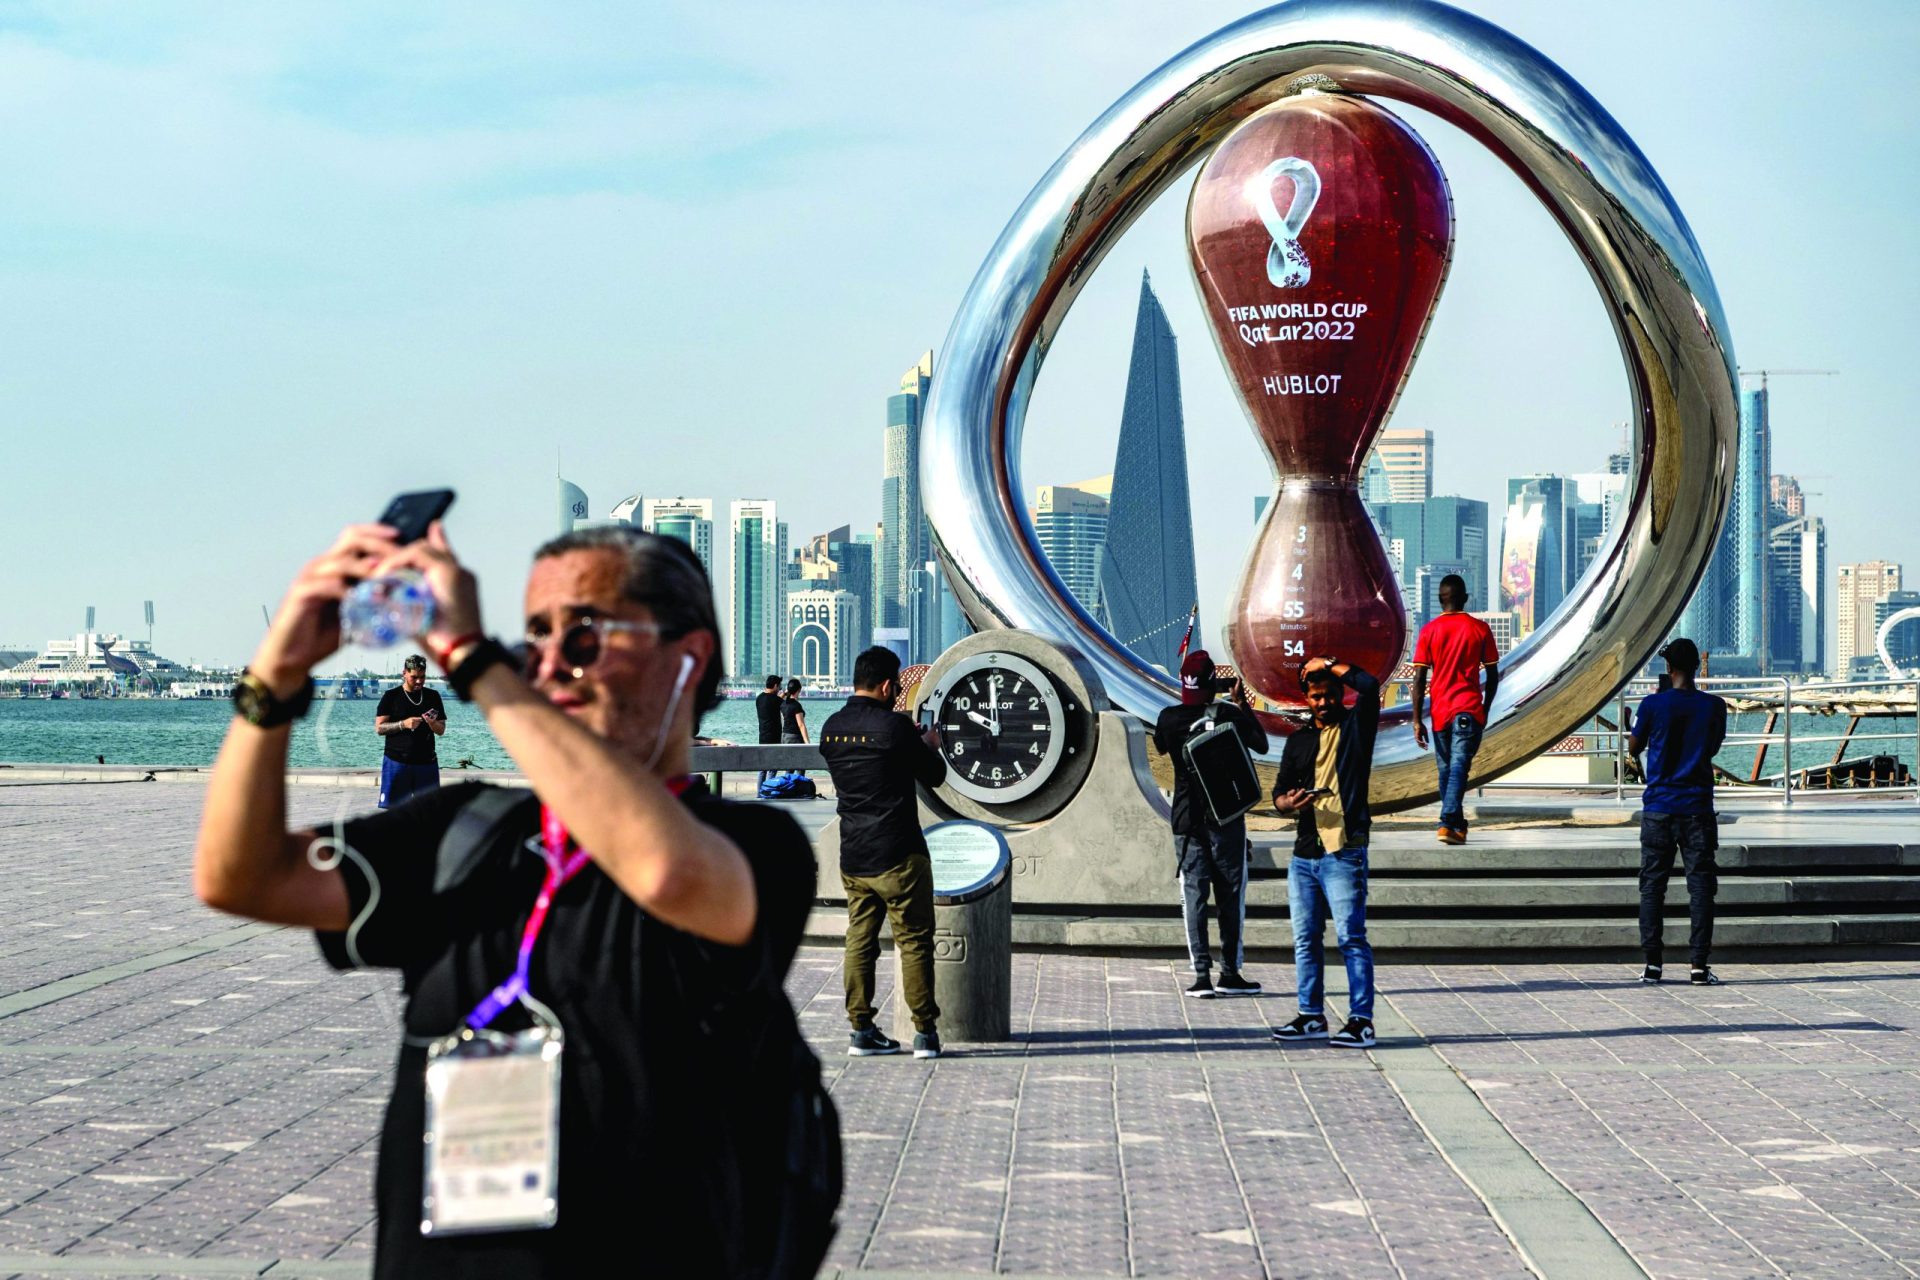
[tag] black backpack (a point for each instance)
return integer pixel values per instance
(811, 1175)
(1221, 768)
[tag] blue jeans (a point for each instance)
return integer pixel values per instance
(1331, 886)
(1453, 749)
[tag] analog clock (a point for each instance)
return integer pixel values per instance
(1003, 724)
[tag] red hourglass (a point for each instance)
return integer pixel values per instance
(1320, 230)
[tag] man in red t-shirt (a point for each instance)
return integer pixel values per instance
(1453, 650)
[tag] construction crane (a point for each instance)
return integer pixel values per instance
(1764, 374)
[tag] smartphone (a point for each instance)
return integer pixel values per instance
(1321, 791)
(411, 513)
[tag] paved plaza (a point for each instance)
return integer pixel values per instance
(185, 1095)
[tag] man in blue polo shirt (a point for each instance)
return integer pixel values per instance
(1680, 729)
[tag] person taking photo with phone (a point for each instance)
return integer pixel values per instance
(598, 1060)
(1210, 858)
(408, 719)
(1324, 775)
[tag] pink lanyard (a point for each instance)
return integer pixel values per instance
(562, 866)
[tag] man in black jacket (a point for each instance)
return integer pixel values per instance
(875, 756)
(1324, 774)
(1209, 856)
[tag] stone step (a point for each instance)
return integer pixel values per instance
(1117, 933)
(1551, 893)
(1549, 858)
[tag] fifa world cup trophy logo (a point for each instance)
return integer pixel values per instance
(1317, 312)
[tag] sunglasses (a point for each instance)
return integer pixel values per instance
(580, 644)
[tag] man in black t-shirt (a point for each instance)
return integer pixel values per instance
(409, 718)
(766, 710)
(875, 756)
(658, 925)
(1209, 857)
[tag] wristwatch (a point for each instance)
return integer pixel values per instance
(256, 704)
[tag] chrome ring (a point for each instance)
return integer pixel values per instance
(1569, 152)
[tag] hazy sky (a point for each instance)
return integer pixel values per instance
(263, 265)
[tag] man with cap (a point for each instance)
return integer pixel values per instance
(1680, 729)
(1209, 856)
(409, 717)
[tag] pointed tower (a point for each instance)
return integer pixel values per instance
(1147, 583)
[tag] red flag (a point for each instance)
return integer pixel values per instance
(1193, 615)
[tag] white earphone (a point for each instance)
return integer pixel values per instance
(673, 705)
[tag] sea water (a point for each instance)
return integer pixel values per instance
(337, 735)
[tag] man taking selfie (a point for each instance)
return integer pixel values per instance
(409, 718)
(1324, 775)
(598, 1059)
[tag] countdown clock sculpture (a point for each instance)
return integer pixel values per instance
(1017, 719)
(1569, 152)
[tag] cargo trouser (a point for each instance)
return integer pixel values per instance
(904, 894)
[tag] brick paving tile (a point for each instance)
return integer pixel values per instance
(223, 1106)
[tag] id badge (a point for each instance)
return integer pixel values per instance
(492, 1144)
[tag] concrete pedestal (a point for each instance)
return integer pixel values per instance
(972, 970)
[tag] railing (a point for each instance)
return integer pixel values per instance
(1785, 700)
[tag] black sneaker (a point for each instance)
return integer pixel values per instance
(870, 1042)
(1308, 1026)
(1232, 984)
(1650, 974)
(1202, 988)
(1357, 1034)
(1702, 976)
(926, 1044)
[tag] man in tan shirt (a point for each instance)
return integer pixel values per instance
(1324, 774)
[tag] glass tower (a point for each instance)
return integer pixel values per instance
(1147, 582)
(757, 643)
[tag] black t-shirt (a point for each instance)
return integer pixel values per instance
(1171, 731)
(766, 709)
(790, 713)
(649, 1100)
(410, 746)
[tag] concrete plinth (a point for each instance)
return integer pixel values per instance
(972, 970)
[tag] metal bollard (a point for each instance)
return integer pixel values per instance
(972, 934)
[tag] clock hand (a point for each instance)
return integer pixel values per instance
(979, 719)
(993, 695)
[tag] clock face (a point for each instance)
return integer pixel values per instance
(1003, 727)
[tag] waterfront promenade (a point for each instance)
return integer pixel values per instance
(185, 1095)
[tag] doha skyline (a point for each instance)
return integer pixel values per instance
(266, 268)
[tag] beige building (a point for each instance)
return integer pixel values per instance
(1407, 457)
(1070, 522)
(1861, 587)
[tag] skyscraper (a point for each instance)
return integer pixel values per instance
(1727, 616)
(1861, 586)
(688, 519)
(626, 509)
(1147, 581)
(1435, 538)
(1071, 526)
(1406, 461)
(1797, 576)
(757, 641)
(852, 561)
(573, 504)
(1532, 572)
(902, 545)
(911, 589)
(1786, 494)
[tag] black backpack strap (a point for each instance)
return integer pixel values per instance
(472, 834)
